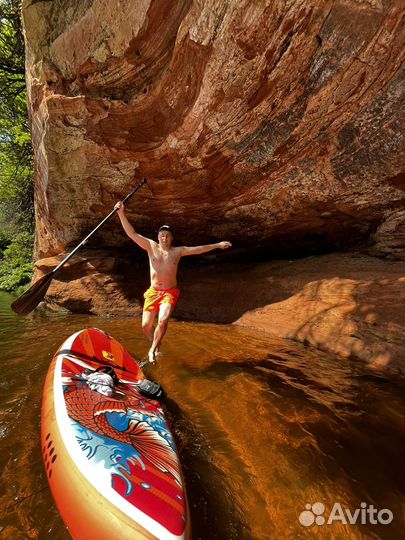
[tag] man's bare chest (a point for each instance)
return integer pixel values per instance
(164, 259)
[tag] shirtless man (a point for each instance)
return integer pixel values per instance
(162, 295)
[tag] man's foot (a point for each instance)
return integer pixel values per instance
(152, 357)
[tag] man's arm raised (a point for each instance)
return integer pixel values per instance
(198, 250)
(144, 243)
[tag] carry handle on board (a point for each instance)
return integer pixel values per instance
(29, 300)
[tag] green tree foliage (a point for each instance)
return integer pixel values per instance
(16, 161)
(16, 265)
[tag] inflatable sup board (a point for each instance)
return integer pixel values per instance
(110, 461)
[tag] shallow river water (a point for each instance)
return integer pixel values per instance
(264, 428)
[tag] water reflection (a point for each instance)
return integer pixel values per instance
(263, 427)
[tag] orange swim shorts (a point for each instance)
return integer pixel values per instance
(154, 298)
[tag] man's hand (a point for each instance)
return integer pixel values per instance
(224, 245)
(120, 207)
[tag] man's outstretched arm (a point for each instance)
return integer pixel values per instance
(198, 250)
(144, 243)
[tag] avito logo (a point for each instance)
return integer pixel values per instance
(314, 513)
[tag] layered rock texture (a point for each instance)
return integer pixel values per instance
(275, 125)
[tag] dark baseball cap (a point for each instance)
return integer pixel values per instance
(165, 228)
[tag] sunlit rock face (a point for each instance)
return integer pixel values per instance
(276, 125)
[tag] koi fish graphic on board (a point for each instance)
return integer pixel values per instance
(133, 422)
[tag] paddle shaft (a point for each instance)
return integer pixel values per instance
(29, 300)
(97, 228)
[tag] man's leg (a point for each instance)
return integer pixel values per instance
(148, 318)
(165, 311)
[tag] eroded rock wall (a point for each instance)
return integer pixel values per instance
(274, 124)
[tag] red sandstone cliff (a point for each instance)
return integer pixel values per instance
(276, 125)
(262, 122)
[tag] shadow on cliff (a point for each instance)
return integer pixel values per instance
(355, 319)
(222, 293)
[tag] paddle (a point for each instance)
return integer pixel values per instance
(29, 300)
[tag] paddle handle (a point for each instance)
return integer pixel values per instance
(144, 181)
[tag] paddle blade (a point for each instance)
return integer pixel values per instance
(29, 300)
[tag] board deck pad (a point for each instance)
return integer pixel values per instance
(122, 444)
